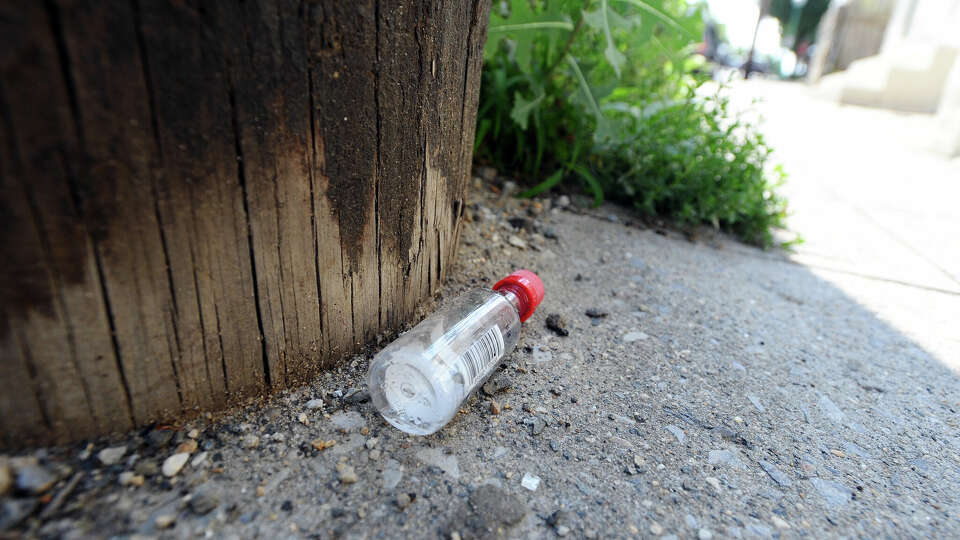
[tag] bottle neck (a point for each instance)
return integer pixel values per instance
(511, 297)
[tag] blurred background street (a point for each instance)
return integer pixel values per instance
(875, 204)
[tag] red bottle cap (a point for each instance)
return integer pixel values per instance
(528, 289)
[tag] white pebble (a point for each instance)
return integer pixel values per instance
(173, 464)
(530, 481)
(109, 456)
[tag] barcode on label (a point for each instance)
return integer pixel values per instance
(484, 351)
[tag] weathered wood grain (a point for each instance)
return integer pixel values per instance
(206, 201)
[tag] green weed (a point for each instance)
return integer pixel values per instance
(606, 95)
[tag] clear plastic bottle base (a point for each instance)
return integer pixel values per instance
(419, 381)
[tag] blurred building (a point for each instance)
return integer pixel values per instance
(896, 54)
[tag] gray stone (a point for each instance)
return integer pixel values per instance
(495, 508)
(835, 493)
(775, 473)
(760, 531)
(14, 511)
(756, 403)
(498, 383)
(160, 438)
(536, 424)
(314, 404)
(704, 534)
(147, 467)
(830, 409)
(630, 337)
(724, 457)
(403, 500)
(558, 324)
(854, 449)
(34, 479)
(677, 432)
(392, 474)
(203, 502)
(348, 420)
(357, 396)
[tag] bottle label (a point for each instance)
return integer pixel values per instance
(486, 350)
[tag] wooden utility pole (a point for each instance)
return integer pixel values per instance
(205, 201)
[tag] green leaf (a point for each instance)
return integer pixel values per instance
(522, 108)
(600, 19)
(660, 15)
(542, 25)
(524, 27)
(553, 180)
(592, 183)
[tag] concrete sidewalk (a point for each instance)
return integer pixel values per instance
(727, 393)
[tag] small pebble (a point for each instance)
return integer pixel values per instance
(188, 446)
(250, 441)
(558, 324)
(498, 383)
(173, 464)
(287, 506)
(203, 503)
(34, 479)
(704, 534)
(596, 313)
(320, 444)
(359, 396)
(714, 483)
(198, 459)
(110, 456)
(656, 529)
(146, 467)
(371, 443)
(403, 500)
(302, 418)
(129, 478)
(346, 473)
(193, 433)
(315, 404)
(494, 407)
(164, 521)
(530, 481)
(160, 438)
(630, 337)
(779, 523)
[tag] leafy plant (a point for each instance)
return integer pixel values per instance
(605, 94)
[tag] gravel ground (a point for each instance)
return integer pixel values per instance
(713, 391)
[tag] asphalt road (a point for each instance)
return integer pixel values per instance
(727, 393)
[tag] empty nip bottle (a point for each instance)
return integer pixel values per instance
(419, 381)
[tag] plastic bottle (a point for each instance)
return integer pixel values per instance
(419, 381)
